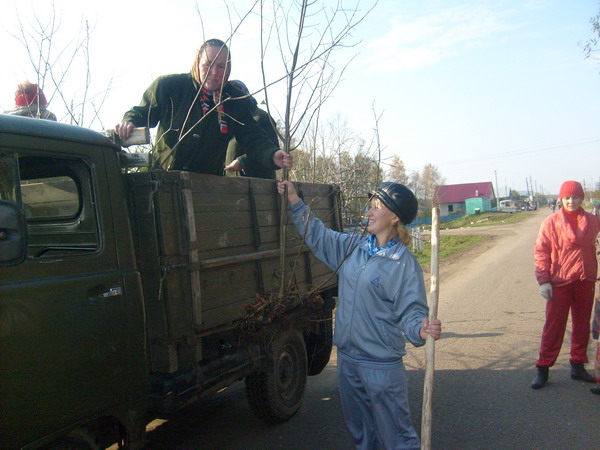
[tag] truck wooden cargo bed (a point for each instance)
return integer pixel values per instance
(207, 245)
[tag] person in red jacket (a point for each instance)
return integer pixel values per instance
(565, 268)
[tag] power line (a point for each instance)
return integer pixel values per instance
(513, 154)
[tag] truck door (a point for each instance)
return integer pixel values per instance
(62, 315)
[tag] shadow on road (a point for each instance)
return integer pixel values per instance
(450, 334)
(472, 409)
(497, 409)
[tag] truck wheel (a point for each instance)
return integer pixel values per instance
(78, 439)
(276, 390)
(320, 344)
(318, 347)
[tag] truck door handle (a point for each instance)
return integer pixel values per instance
(98, 294)
(113, 292)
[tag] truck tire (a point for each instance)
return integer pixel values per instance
(78, 439)
(319, 346)
(276, 390)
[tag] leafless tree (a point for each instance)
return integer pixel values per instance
(377, 140)
(57, 67)
(397, 171)
(301, 37)
(425, 183)
(590, 46)
(332, 153)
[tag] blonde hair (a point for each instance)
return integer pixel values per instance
(404, 234)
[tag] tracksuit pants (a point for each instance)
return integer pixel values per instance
(374, 398)
(577, 296)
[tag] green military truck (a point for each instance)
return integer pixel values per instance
(126, 294)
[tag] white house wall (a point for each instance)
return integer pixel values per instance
(458, 208)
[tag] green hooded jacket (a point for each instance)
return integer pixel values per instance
(189, 140)
(235, 150)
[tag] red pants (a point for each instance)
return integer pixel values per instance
(579, 297)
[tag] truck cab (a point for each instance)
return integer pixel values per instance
(123, 295)
(71, 317)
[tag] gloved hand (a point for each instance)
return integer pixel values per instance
(546, 291)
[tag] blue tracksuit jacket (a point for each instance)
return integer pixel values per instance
(382, 297)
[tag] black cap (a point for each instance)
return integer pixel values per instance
(399, 199)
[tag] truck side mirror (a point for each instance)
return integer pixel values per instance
(13, 234)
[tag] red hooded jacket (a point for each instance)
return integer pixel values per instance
(562, 255)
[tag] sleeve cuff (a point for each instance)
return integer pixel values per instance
(298, 206)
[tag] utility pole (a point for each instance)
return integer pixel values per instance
(531, 185)
(497, 192)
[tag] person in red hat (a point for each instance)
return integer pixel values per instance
(565, 268)
(30, 101)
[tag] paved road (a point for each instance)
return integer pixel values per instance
(492, 318)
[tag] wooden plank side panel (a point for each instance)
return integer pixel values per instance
(207, 242)
(147, 249)
(194, 276)
(177, 293)
(214, 317)
(295, 264)
(233, 284)
(174, 236)
(215, 185)
(228, 284)
(217, 221)
(169, 183)
(224, 225)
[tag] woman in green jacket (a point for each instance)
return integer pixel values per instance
(197, 114)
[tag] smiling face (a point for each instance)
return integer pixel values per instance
(571, 203)
(382, 222)
(214, 67)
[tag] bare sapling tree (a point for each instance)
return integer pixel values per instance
(377, 139)
(333, 153)
(301, 39)
(61, 64)
(590, 47)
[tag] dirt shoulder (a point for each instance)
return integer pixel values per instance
(494, 235)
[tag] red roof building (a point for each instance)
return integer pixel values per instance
(451, 197)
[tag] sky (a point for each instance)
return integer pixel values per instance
(484, 90)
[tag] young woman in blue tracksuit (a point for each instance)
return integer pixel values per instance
(382, 300)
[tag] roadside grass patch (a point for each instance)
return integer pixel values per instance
(449, 245)
(485, 219)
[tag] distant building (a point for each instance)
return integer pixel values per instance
(464, 198)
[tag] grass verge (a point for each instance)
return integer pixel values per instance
(486, 219)
(449, 245)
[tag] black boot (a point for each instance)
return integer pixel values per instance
(541, 379)
(578, 372)
(595, 390)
